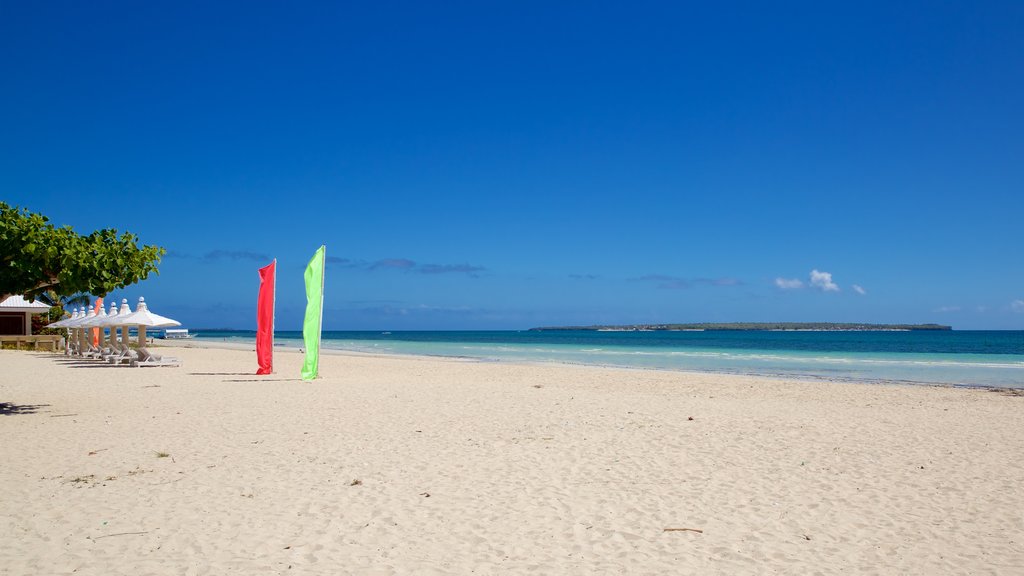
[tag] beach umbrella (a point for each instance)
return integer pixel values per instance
(109, 321)
(76, 324)
(95, 322)
(117, 317)
(94, 319)
(77, 316)
(63, 321)
(143, 318)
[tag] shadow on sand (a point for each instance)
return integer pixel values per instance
(267, 380)
(8, 409)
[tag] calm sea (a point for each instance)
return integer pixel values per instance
(961, 357)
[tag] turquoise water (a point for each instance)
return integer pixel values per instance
(967, 358)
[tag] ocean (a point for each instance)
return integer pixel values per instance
(958, 357)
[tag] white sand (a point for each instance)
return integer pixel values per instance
(487, 468)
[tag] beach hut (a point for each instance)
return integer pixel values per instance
(16, 315)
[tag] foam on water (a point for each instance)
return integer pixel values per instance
(987, 359)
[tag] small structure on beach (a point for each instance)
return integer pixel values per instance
(16, 324)
(16, 315)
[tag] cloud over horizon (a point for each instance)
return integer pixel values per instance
(217, 255)
(236, 255)
(667, 282)
(823, 281)
(817, 279)
(1017, 306)
(449, 269)
(406, 265)
(789, 283)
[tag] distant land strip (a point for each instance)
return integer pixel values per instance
(774, 326)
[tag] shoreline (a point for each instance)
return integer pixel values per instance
(211, 343)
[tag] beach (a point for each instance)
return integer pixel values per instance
(412, 465)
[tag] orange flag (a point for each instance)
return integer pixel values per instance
(97, 332)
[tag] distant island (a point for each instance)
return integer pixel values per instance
(773, 326)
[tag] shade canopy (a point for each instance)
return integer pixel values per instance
(117, 315)
(94, 319)
(64, 321)
(143, 317)
(82, 317)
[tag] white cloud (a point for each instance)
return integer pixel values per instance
(1017, 306)
(947, 309)
(788, 284)
(823, 281)
(859, 290)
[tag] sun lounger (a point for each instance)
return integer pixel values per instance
(123, 355)
(94, 352)
(147, 358)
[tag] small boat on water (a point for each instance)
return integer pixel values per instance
(176, 334)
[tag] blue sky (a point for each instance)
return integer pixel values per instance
(514, 164)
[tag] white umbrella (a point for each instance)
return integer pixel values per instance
(143, 318)
(93, 322)
(94, 319)
(118, 318)
(63, 322)
(83, 315)
(77, 323)
(108, 321)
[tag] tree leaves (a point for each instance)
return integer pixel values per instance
(36, 256)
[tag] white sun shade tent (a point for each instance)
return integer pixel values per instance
(143, 318)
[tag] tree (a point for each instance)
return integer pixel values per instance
(36, 256)
(58, 309)
(54, 300)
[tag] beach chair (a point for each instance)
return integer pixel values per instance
(122, 355)
(146, 358)
(92, 352)
(110, 352)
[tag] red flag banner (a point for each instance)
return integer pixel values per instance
(265, 319)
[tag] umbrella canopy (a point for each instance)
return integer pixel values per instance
(94, 319)
(143, 317)
(118, 318)
(63, 322)
(82, 317)
(116, 315)
(105, 322)
(76, 324)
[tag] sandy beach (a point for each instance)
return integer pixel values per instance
(398, 465)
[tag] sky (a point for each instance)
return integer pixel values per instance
(504, 165)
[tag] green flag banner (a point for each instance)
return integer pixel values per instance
(311, 325)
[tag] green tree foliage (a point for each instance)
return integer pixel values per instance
(58, 310)
(52, 299)
(36, 256)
